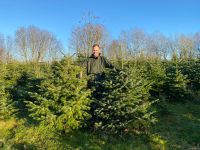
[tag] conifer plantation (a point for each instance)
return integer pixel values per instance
(149, 100)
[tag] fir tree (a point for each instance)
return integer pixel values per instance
(175, 85)
(191, 69)
(121, 102)
(6, 105)
(155, 72)
(62, 100)
(26, 82)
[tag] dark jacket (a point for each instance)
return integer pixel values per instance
(96, 65)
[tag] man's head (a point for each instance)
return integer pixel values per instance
(96, 50)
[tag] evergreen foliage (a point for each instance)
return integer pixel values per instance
(175, 84)
(6, 105)
(63, 99)
(121, 102)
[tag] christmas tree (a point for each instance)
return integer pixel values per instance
(175, 84)
(121, 102)
(6, 105)
(63, 99)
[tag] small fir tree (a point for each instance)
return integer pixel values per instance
(6, 105)
(175, 85)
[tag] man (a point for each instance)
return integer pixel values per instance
(96, 64)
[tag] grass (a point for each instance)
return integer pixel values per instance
(178, 127)
(5, 127)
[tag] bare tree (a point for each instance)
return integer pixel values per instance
(21, 39)
(134, 41)
(186, 47)
(36, 45)
(114, 51)
(196, 39)
(85, 35)
(6, 48)
(9, 45)
(2, 47)
(158, 45)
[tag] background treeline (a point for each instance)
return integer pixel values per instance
(44, 99)
(32, 44)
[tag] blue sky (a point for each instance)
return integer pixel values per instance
(60, 16)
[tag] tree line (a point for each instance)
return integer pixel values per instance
(32, 44)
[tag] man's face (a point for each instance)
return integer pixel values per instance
(96, 51)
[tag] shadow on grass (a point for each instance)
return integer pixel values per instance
(180, 126)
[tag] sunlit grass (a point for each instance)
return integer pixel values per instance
(5, 126)
(179, 129)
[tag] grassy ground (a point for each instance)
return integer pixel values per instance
(178, 128)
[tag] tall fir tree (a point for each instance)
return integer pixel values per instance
(63, 99)
(121, 102)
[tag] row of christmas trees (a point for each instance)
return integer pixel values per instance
(123, 101)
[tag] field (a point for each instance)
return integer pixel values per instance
(178, 128)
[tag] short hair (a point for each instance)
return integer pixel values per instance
(95, 45)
